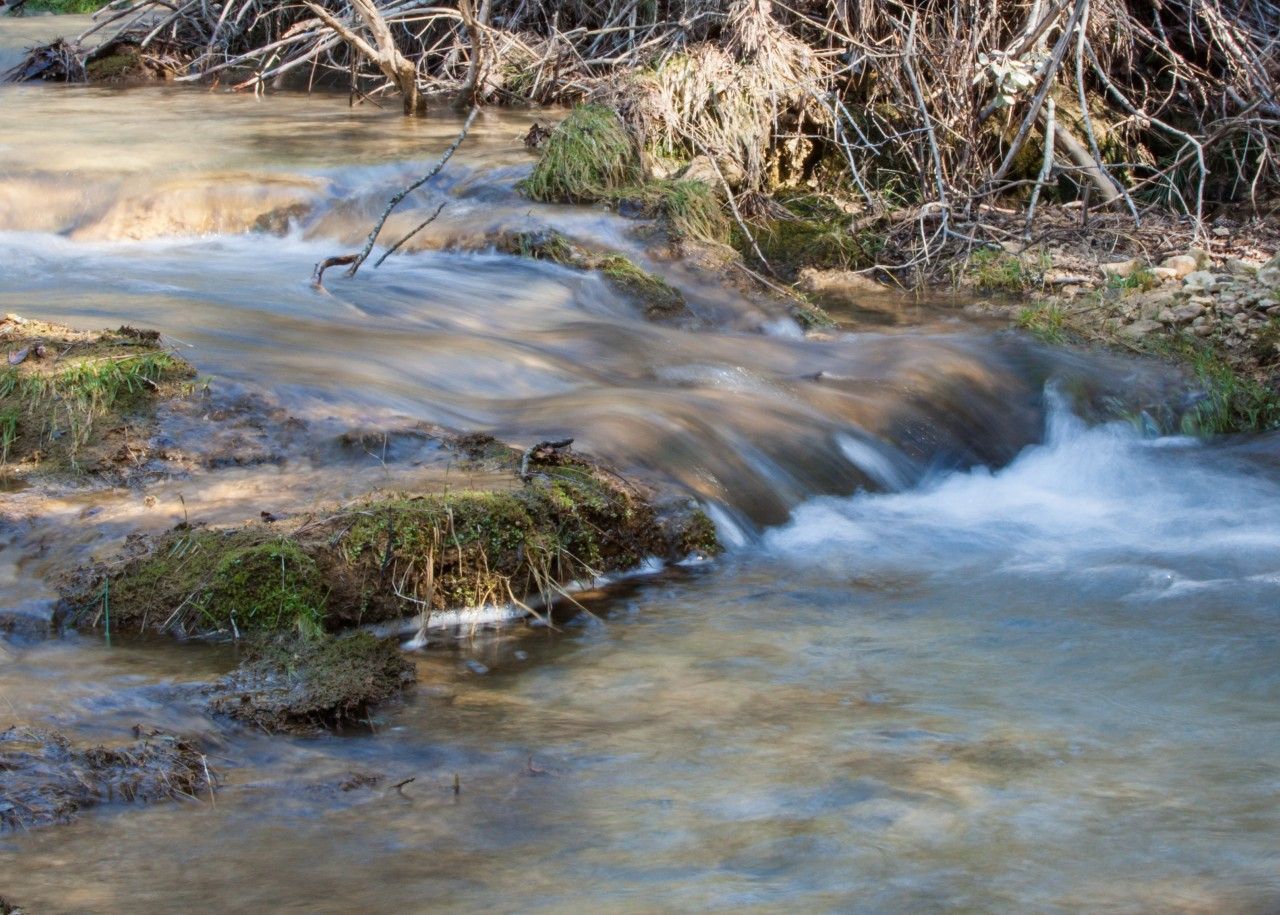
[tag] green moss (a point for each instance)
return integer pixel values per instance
(391, 557)
(588, 155)
(659, 298)
(545, 245)
(689, 209)
(698, 535)
(299, 684)
(113, 66)
(811, 231)
(212, 581)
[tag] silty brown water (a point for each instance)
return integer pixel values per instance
(914, 683)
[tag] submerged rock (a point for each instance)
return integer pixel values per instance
(303, 685)
(45, 779)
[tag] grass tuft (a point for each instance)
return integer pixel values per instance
(589, 155)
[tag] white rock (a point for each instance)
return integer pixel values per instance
(1180, 264)
(1201, 279)
(1121, 268)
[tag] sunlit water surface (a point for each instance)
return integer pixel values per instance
(913, 684)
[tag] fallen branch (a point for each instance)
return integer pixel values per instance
(422, 225)
(355, 260)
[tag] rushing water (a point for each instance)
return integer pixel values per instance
(967, 652)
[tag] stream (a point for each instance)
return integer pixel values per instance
(970, 648)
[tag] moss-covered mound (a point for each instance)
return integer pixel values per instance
(45, 779)
(74, 400)
(304, 684)
(391, 557)
(587, 156)
(659, 298)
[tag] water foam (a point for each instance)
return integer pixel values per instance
(1099, 500)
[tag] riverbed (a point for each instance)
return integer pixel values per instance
(966, 650)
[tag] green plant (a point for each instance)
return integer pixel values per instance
(1047, 321)
(1140, 279)
(1232, 401)
(689, 208)
(588, 155)
(996, 270)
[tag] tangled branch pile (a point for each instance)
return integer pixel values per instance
(919, 113)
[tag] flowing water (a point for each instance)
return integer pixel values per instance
(966, 650)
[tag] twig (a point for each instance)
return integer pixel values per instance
(355, 260)
(422, 225)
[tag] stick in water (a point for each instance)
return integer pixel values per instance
(355, 260)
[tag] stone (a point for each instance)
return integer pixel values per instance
(1200, 280)
(1221, 231)
(1139, 329)
(1269, 274)
(1184, 313)
(1181, 265)
(1203, 258)
(1236, 267)
(1121, 268)
(1203, 330)
(1164, 274)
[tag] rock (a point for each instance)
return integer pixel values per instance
(1181, 265)
(45, 778)
(302, 685)
(1182, 314)
(1269, 274)
(1202, 257)
(1221, 231)
(819, 282)
(1237, 267)
(1204, 330)
(1164, 274)
(1139, 329)
(1199, 280)
(1121, 268)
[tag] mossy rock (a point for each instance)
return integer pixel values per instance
(46, 779)
(69, 398)
(588, 155)
(303, 684)
(659, 298)
(389, 558)
(201, 581)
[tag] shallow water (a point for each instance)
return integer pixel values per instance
(967, 652)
